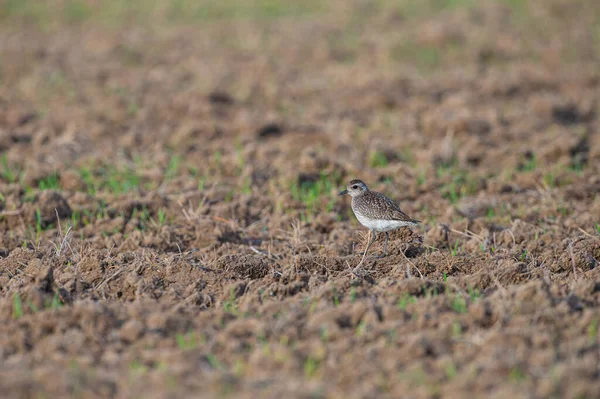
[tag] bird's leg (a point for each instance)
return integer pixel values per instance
(365, 253)
(370, 242)
(367, 249)
(387, 236)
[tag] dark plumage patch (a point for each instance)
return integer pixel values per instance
(355, 181)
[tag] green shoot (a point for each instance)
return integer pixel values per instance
(162, 216)
(212, 360)
(406, 299)
(336, 298)
(353, 294)
(378, 159)
(230, 306)
(459, 304)
(474, 294)
(56, 302)
(311, 366)
(517, 375)
(17, 307)
(173, 167)
(456, 330)
(187, 341)
(593, 330)
(455, 248)
(530, 163)
(50, 182)
(310, 193)
(7, 172)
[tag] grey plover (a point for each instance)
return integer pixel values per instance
(376, 212)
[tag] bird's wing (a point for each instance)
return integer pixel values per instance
(394, 212)
(399, 215)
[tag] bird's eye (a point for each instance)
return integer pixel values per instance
(355, 186)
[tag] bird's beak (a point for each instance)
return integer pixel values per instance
(343, 192)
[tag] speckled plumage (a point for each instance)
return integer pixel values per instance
(376, 211)
(374, 205)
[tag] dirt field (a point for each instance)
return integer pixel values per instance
(169, 224)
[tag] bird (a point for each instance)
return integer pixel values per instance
(376, 212)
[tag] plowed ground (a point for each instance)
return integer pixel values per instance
(169, 221)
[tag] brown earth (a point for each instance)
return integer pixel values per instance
(170, 225)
